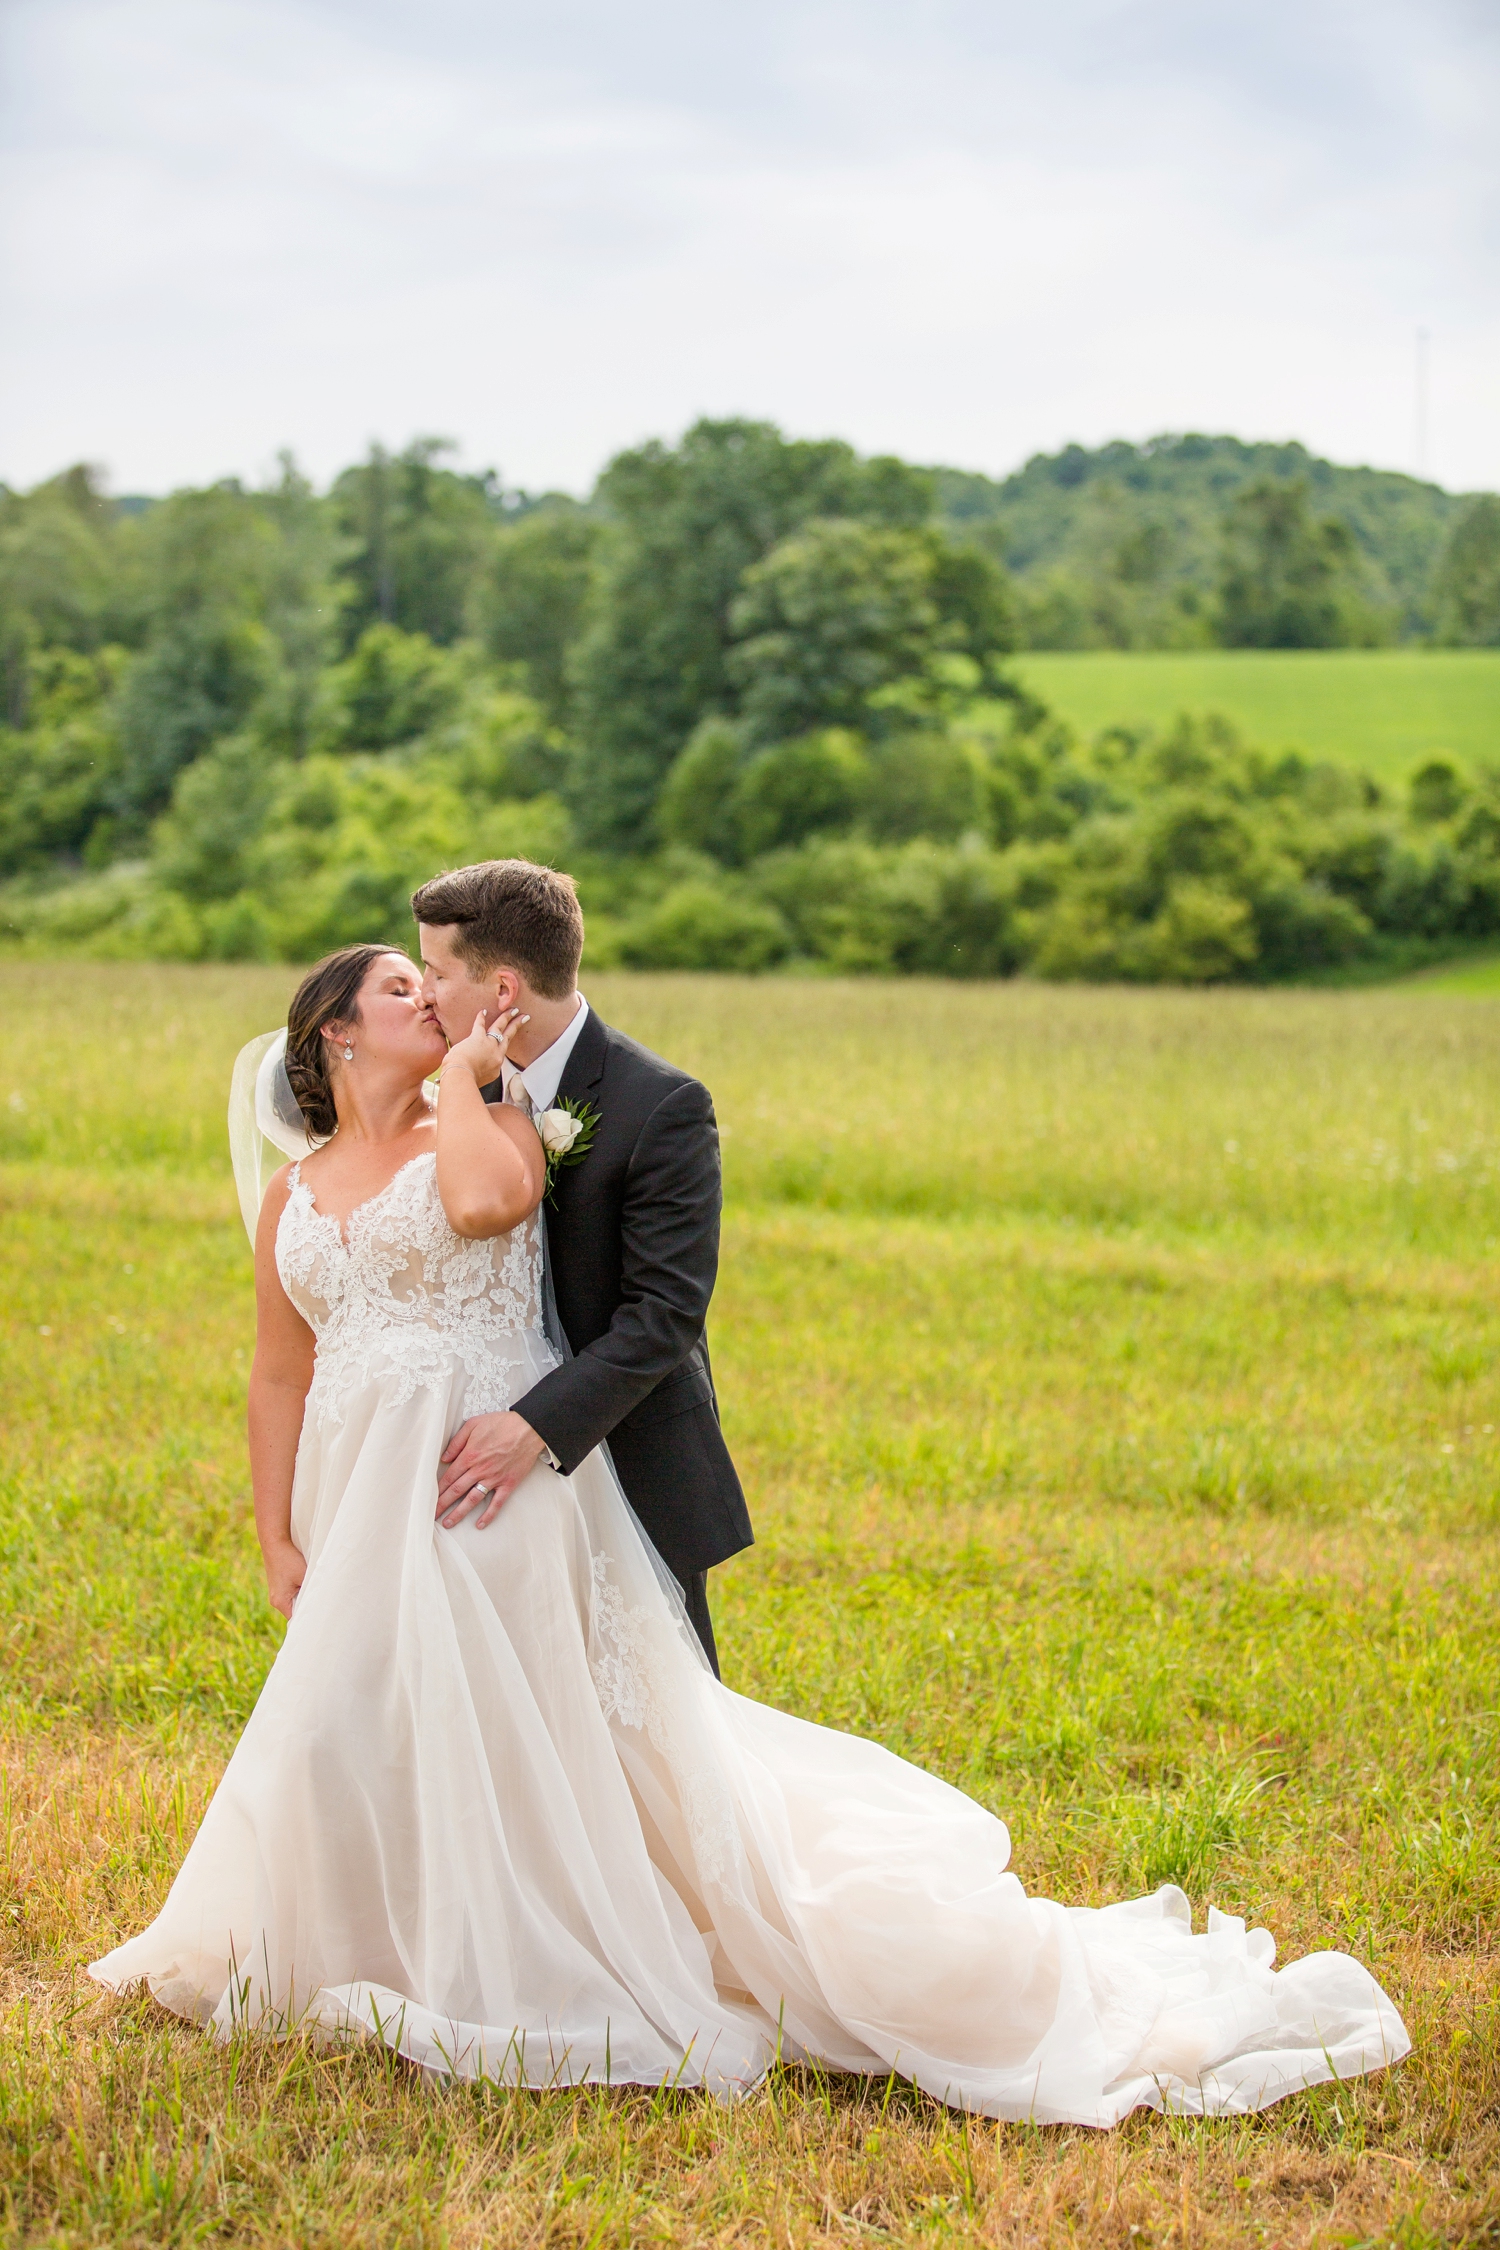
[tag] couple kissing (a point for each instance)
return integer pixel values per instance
(493, 1807)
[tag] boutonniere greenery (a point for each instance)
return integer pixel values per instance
(567, 1135)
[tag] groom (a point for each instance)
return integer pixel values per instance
(632, 1230)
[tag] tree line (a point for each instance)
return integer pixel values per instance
(756, 691)
(1195, 542)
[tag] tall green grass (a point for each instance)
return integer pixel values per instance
(1116, 1377)
(1300, 1116)
(1383, 709)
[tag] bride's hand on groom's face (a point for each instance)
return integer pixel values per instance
(486, 1459)
(485, 1049)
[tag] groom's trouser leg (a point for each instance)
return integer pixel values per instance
(695, 1594)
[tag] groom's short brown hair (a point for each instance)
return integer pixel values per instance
(509, 913)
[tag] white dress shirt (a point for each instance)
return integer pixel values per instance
(542, 1077)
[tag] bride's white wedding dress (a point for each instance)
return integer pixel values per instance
(493, 1807)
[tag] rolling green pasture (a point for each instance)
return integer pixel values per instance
(1477, 979)
(1382, 709)
(1116, 1378)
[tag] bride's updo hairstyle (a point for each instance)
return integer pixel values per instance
(327, 994)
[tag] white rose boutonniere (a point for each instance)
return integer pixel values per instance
(559, 1130)
(567, 1133)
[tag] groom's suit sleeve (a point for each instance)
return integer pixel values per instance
(670, 1244)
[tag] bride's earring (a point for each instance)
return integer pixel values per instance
(348, 1052)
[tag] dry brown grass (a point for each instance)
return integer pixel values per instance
(136, 2130)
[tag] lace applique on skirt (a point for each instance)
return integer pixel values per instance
(635, 1656)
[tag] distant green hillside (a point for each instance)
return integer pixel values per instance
(1381, 709)
(1134, 531)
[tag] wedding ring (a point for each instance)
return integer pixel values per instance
(483, 1491)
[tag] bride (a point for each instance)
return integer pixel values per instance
(493, 1807)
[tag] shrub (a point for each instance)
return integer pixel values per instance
(1301, 925)
(1203, 934)
(1074, 940)
(1436, 791)
(921, 909)
(239, 930)
(696, 807)
(735, 803)
(926, 784)
(698, 925)
(795, 789)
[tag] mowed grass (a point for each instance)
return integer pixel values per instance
(1116, 1376)
(1385, 710)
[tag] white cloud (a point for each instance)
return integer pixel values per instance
(960, 232)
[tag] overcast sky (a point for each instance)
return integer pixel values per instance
(964, 231)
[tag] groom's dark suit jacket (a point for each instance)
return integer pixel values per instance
(633, 1248)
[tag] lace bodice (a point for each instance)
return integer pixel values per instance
(405, 1296)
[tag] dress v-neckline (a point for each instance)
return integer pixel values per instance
(339, 1226)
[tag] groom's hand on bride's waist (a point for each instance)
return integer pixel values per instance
(486, 1458)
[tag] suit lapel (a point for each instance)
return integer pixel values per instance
(585, 1066)
(581, 1075)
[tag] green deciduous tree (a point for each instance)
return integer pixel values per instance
(203, 843)
(1467, 587)
(1436, 791)
(1288, 580)
(683, 525)
(530, 604)
(56, 775)
(207, 560)
(832, 615)
(304, 601)
(393, 687)
(54, 578)
(769, 658)
(1119, 545)
(417, 535)
(199, 682)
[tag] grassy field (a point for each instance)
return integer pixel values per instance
(1116, 1377)
(1477, 979)
(1382, 709)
